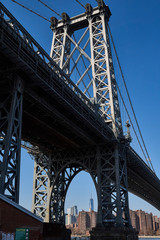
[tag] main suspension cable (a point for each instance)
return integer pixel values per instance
(30, 10)
(129, 97)
(148, 161)
(80, 3)
(49, 8)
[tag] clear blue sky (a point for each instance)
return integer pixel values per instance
(135, 26)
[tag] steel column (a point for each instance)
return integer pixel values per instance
(99, 190)
(104, 86)
(41, 187)
(60, 48)
(10, 140)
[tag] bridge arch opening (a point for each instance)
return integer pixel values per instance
(79, 193)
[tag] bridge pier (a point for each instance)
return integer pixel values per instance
(56, 231)
(113, 233)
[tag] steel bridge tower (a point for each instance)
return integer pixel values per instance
(106, 163)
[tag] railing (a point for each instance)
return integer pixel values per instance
(142, 161)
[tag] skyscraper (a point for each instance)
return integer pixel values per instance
(91, 204)
(74, 211)
(71, 216)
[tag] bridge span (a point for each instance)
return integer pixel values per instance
(56, 115)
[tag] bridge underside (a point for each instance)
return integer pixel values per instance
(48, 118)
(141, 181)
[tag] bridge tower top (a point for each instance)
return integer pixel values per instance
(90, 57)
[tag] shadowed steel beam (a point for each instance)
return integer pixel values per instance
(10, 142)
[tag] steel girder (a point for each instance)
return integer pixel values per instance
(107, 167)
(112, 188)
(10, 139)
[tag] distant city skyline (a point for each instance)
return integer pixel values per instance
(73, 210)
(145, 223)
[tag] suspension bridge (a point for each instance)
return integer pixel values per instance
(70, 125)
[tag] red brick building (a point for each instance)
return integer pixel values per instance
(13, 216)
(145, 223)
(86, 221)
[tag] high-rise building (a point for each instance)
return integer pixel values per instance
(74, 211)
(69, 211)
(145, 223)
(91, 204)
(72, 214)
(66, 219)
(86, 221)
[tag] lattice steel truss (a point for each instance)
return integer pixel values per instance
(107, 167)
(41, 186)
(10, 139)
(88, 60)
(105, 91)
